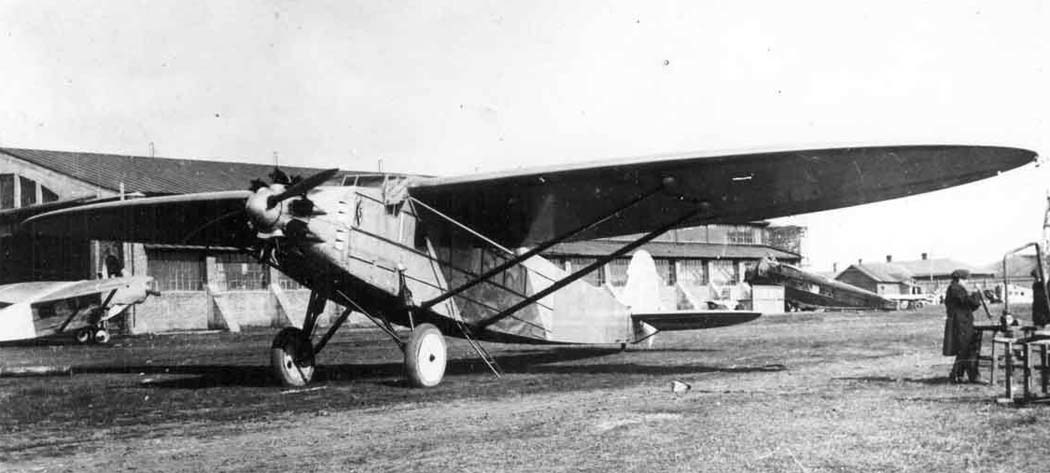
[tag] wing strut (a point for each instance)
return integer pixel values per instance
(532, 252)
(701, 208)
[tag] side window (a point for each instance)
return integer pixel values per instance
(28, 191)
(48, 195)
(7, 191)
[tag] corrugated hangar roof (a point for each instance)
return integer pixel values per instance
(152, 175)
(672, 250)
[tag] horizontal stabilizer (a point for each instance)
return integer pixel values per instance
(694, 319)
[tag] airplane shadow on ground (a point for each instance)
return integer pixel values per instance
(528, 362)
(931, 381)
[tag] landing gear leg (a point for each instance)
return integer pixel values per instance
(83, 336)
(292, 352)
(426, 356)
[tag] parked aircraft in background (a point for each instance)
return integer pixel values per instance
(459, 256)
(31, 310)
(808, 291)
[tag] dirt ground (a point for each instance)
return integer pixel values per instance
(801, 392)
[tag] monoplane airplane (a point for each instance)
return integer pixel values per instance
(808, 291)
(32, 310)
(459, 256)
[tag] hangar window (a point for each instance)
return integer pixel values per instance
(665, 269)
(616, 270)
(241, 272)
(7, 191)
(27, 188)
(176, 270)
(741, 237)
(723, 271)
(596, 277)
(692, 272)
(287, 283)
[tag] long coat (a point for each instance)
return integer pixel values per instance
(958, 327)
(1040, 311)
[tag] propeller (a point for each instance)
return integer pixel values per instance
(264, 209)
(300, 187)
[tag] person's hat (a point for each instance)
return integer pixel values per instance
(961, 274)
(1035, 272)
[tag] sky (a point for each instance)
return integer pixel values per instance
(455, 87)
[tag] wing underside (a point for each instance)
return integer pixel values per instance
(527, 207)
(214, 219)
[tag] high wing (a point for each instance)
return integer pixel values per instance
(215, 219)
(527, 207)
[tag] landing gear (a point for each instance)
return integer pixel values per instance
(426, 356)
(95, 334)
(292, 357)
(101, 336)
(83, 336)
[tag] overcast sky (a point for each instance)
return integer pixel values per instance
(453, 87)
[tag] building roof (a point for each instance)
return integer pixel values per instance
(883, 272)
(940, 267)
(673, 250)
(907, 271)
(152, 175)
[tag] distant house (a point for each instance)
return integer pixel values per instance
(880, 278)
(923, 276)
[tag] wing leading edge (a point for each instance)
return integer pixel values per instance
(526, 207)
(206, 219)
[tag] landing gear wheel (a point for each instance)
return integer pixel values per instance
(292, 357)
(426, 356)
(101, 336)
(82, 336)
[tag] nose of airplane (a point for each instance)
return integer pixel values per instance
(261, 213)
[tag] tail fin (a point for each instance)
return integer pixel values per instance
(642, 292)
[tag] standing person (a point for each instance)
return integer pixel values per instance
(959, 335)
(1040, 309)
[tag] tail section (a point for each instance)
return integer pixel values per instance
(642, 297)
(642, 292)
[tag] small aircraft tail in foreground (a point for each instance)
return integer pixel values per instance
(31, 310)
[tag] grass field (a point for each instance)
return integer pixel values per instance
(801, 392)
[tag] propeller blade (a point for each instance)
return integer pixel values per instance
(302, 187)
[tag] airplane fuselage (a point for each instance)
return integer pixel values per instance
(365, 249)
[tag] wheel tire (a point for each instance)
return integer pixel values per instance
(292, 357)
(82, 336)
(426, 356)
(101, 336)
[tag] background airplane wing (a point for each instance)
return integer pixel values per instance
(71, 289)
(214, 219)
(522, 208)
